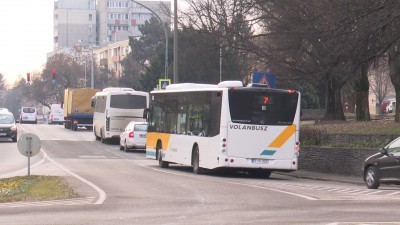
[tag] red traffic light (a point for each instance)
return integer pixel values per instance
(54, 72)
(28, 77)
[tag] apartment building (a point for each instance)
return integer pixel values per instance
(74, 20)
(103, 26)
(118, 19)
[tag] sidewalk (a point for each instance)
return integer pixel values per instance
(324, 176)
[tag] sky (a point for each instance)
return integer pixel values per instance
(26, 37)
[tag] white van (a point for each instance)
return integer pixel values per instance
(56, 115)
(28, 115)
(114, 108)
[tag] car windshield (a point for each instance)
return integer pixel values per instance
(6, 118)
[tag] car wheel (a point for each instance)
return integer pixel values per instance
(371, 178)
(102, 139)
(161, 163)
(196, 161)
(126, 149)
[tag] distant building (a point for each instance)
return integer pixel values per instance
(102, 26)
(119, 19)
(74, 20)
(110, 57)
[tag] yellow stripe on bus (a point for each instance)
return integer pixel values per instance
(153, 137)
(283, 137)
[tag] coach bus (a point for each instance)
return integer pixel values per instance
(114, 108)
(224, 126)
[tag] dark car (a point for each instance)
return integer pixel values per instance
(383, 166)
(8, 128)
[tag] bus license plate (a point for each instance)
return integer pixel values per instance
(260, 161)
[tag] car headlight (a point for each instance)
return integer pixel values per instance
(13, 128)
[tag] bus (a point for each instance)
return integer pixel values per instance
(114, 108)
(226, 126)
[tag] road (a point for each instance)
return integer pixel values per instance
(116, 187)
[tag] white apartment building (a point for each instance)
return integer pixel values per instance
(118, 19)
(74, 20)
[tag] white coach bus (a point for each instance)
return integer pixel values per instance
(114, 108)
(252, 129)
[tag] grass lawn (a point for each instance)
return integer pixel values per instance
(34, 188)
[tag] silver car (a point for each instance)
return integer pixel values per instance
(134, 136)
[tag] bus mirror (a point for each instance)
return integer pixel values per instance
(93, 102)
(145, 111)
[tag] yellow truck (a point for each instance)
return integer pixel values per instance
(77, 108)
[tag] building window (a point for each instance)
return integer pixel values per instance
(90, 17)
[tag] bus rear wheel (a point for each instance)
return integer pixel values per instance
(161, 162)
(196, 161)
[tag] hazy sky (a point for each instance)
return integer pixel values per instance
(26, 36)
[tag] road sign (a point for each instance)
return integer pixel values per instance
(29, 145)
(267, 79)
(163, 83)
(29, 141)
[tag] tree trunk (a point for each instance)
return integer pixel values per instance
(333, 104)
(394, 65)
(362, 94)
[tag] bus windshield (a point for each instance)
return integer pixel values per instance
(262, 107)
(128, 101)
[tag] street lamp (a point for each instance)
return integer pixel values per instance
(166, 38)
(91, 64)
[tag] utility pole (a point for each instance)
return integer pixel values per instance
(175, 42)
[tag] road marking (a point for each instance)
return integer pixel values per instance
(92, 156)
(394, 193)
(102, 194)
(231, 182)
(72, 201)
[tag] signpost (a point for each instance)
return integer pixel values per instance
(163, 83)
(29, 145)
(262, 78)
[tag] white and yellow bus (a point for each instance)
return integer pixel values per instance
(227, 126)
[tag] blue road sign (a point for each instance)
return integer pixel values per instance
(267, 79)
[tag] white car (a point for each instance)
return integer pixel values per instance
(134, 136)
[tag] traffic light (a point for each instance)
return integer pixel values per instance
(28, 77)
(54, 72)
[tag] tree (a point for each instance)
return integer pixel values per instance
(146, 50)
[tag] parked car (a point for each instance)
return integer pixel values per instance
(383, 166)
(134, 136)
(388, 105)
(8, 128)
(28, 115)
(4, 110)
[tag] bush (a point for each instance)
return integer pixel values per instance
(311, 137)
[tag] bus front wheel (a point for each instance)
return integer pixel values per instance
(196, 161)
(161, 163)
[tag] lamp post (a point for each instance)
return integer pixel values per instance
(166, 38)
(91, 64)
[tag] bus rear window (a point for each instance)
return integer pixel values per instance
(264, 107)
(128, 101)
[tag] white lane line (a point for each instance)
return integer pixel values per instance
(236, 183)
(25, 169)
(394, 193)
(102, 194)
(73, 201)
(375, 192)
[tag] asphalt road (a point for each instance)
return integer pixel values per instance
(116, 187)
